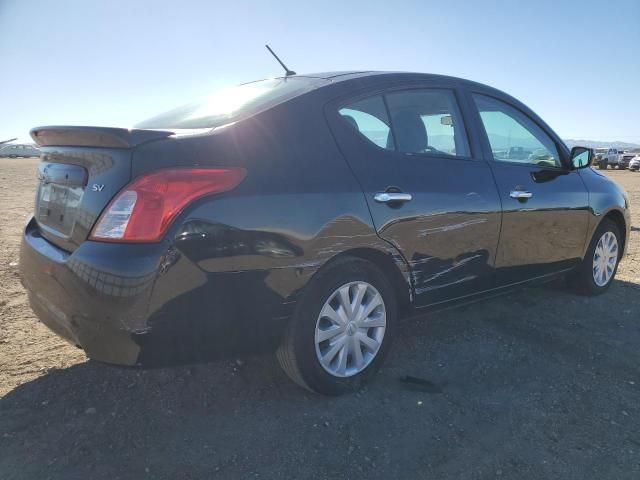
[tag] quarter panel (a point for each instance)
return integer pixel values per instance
(297, 208)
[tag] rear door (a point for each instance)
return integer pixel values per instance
(545, 203)
(429, 193)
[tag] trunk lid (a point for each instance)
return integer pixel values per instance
(81, 170)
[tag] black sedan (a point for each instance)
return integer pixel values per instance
(308, 214)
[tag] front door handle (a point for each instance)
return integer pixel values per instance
(520, 194)
(391, 197)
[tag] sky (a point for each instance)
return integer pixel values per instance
(116, 62)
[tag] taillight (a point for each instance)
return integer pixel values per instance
(144, 209)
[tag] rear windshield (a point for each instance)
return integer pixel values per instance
(230, 104)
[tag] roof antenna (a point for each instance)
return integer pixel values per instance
(288, 72)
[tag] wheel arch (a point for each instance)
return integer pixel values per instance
(617, 217)
(390, 268)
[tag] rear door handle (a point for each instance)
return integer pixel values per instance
(390, 197)
(520, 194)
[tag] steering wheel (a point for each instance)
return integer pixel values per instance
(546, 163)
(431, 149)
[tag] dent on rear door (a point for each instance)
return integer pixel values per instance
(448, 232)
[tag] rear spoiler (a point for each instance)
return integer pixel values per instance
(63, 136)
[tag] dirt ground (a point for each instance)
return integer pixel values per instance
(537, 384)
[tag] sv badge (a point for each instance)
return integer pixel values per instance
(97, 187)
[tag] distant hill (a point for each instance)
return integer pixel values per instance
(501, 142)
(597, 144)
(443, 142)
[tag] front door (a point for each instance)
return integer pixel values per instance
(545, 203)
(429, 192)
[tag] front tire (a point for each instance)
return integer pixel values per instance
(597, 270)
(342, 328)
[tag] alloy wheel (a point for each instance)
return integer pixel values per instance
(350, 329)
(605, 258)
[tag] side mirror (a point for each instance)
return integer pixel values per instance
(581, 157)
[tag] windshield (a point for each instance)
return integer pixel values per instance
(229, 104)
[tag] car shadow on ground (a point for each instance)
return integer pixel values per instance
(536, 384)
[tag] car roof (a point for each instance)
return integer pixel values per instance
(341, 76)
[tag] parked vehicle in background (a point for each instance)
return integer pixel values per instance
(598, 154)
(624, 159)
(18, 150)
(634, 164)
(614, 158)
(308, 213)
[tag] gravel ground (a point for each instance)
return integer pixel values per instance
(537, 384)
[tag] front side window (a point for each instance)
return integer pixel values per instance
(369, 117)
(427, 121)
(513, 136)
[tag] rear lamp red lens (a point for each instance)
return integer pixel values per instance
(143, 210)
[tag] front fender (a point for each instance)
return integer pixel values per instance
(606, 199)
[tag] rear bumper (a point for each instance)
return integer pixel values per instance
(149, 304)
(96, 297)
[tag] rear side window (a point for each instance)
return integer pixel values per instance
(369, 117)
(425, 121)
(428, 121)
(513, 136)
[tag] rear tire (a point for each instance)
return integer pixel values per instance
(324, 299)
(588, 278)
(602, 165)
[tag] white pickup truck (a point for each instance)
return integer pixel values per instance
(615, 158)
